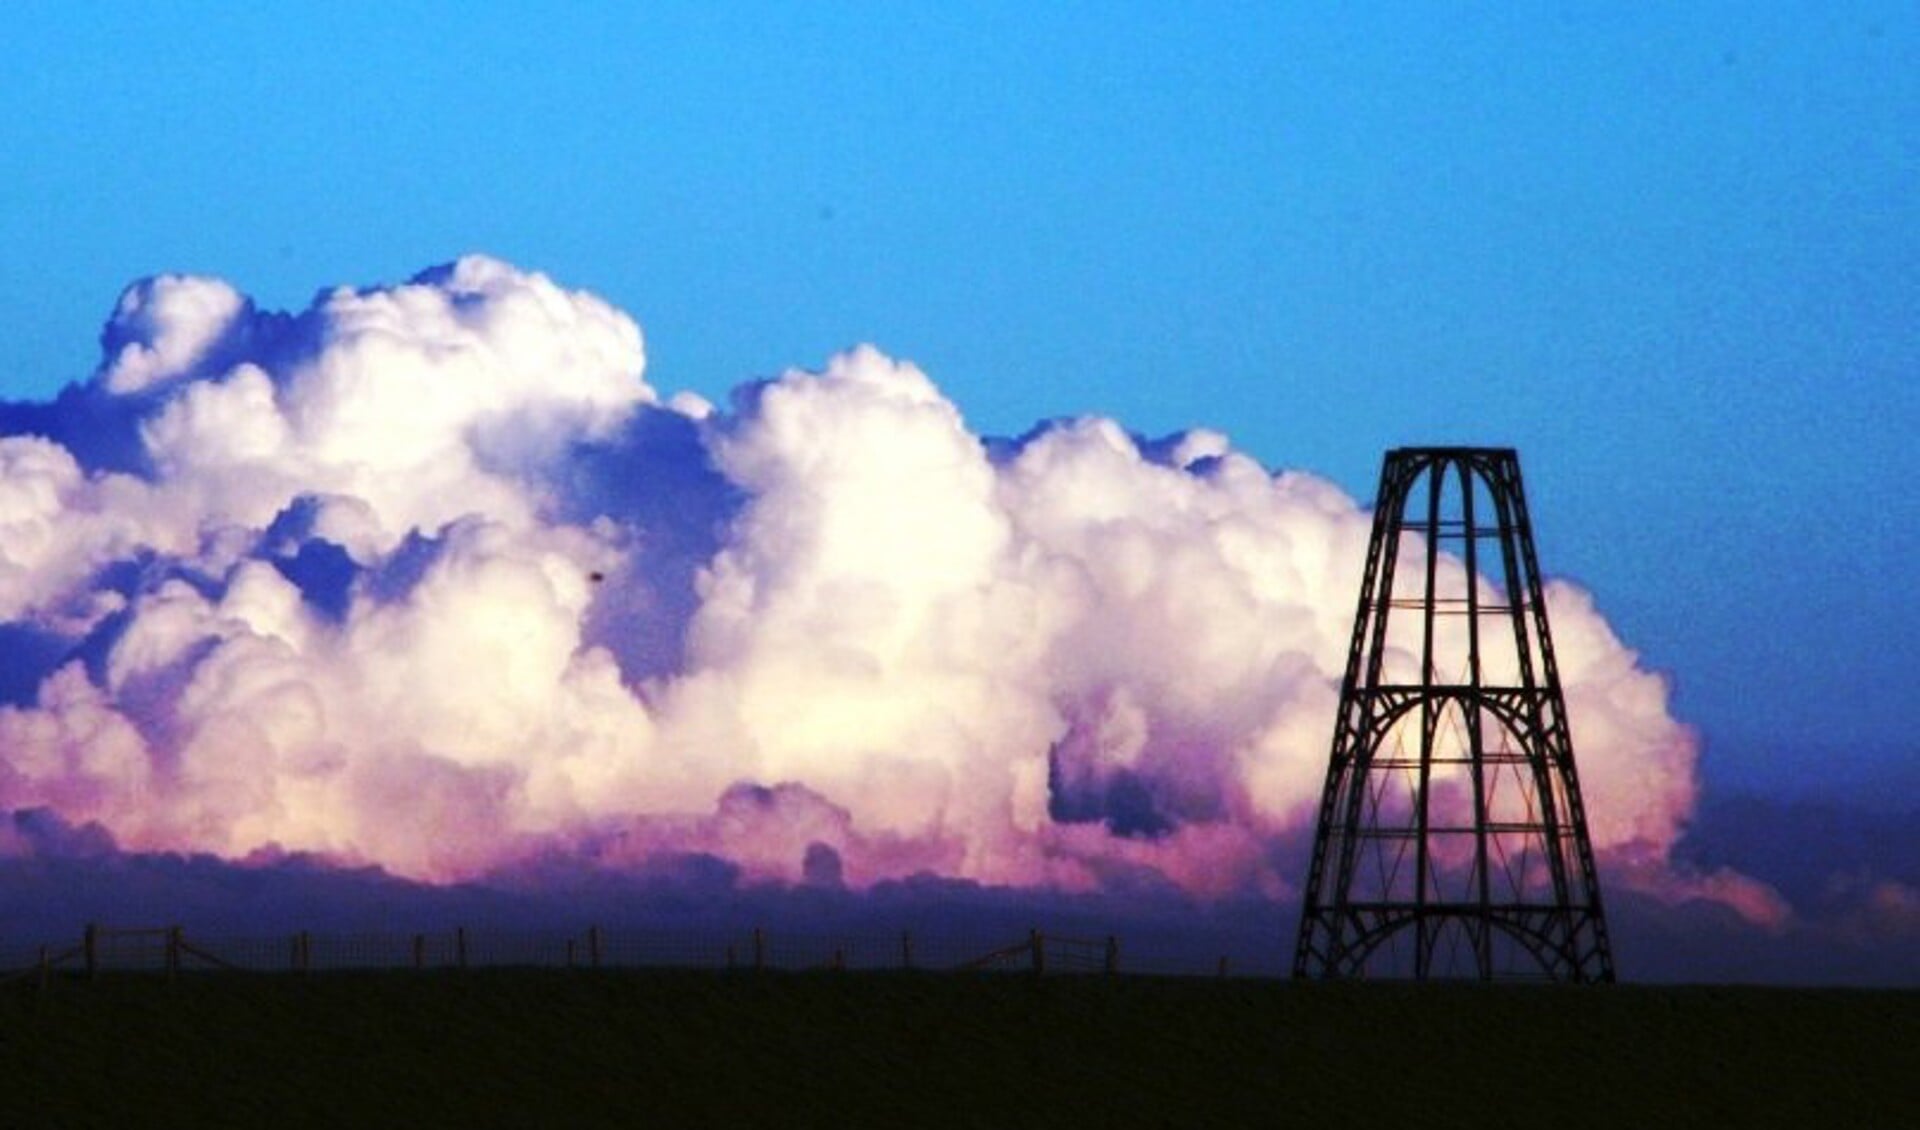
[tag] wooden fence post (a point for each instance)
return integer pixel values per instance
(1223, 965)
(90, 944)
(593, 946)
(1039, 946)
(1113, 954)
(173, 951)
(419, 951)
(569, 953)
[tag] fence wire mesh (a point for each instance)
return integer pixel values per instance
(103, 949)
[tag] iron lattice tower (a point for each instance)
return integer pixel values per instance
(1452, 840)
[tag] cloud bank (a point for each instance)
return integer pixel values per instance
(428, 577)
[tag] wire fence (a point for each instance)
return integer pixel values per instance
(170, 950)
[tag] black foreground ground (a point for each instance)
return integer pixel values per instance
(559, 1048)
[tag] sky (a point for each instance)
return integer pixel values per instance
(1671, 256)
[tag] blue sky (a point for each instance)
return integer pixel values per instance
(1674, 258)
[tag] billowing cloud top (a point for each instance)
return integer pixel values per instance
(427, 576)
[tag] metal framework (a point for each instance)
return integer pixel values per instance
(1452, 840)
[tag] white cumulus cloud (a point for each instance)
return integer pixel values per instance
(428, 576)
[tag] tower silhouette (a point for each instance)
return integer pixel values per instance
(1452, 840)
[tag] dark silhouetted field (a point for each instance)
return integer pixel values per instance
(656, 1048)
